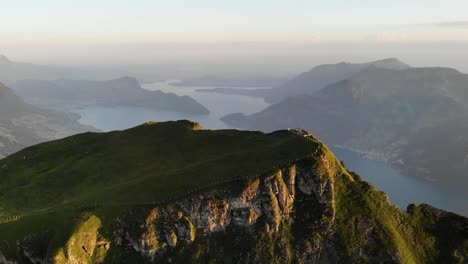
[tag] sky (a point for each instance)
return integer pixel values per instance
(75, 32)
(145, 21)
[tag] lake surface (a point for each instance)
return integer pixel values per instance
(402, 190)
(116, 118)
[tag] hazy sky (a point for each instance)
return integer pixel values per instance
(136, 21)
(297, 33)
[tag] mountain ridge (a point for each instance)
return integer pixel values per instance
(22, 124)
(4, 59)
(377, 111)
(294, 202)
(66, 93)
(314, 80)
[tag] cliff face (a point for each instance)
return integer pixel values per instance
(254, 220)
(286, 217)
(310, 211)
(255, 224)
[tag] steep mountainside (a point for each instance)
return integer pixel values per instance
(446, 155)
(123, 91)
(23, 125)
(378, 111)
(174, 193)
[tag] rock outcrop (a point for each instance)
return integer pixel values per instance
(265, 206)
(311, 210)
(286, 217)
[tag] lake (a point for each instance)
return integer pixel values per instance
(402, 190)
(122, 117)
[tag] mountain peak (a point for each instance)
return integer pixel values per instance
(164, 191)
(4, 59)
(127, 81)
(179, 124)
(394, 60)
(390, 63)
(5, 92)
(126, 78)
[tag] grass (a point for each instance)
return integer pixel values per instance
(156, 162)
(359, 205)
(148, 163)
(82, 242)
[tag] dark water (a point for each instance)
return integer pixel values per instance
(402, 190)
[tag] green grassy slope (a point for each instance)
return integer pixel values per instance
(151, 162)
(61, 180)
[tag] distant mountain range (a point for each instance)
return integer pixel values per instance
(38, 110)
(124, 91)
(22, 124)
(314, 80)
(172, 192)
(11, 71)
(323, 75)
(410, 117)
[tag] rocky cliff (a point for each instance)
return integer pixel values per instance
(311, 210)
